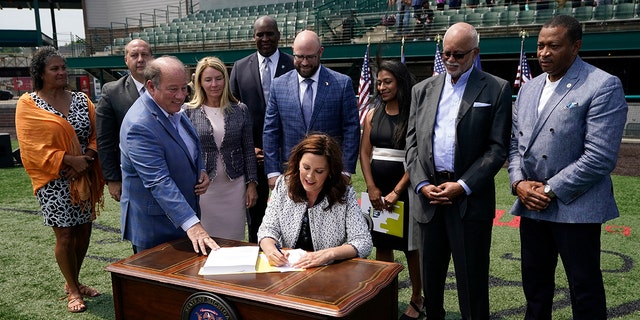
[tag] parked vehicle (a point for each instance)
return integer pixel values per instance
(6, 95)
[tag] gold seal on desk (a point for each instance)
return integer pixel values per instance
(206, 305)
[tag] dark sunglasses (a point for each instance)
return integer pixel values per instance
(457, 56)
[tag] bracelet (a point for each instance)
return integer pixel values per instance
(514, 187)
(396, 192)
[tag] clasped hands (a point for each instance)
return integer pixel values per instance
(531, 194)
(75, 166)
(442, 194)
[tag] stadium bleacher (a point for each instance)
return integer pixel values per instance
(232, 27)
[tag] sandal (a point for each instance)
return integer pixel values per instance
(414, 306)
(76, 305)
(85, 291)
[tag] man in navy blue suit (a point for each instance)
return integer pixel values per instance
(313, 98)
(250, 81)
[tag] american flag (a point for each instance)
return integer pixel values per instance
(524, 73)
(438, 66)
(364, 88)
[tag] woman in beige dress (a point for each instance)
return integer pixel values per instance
(224, 126)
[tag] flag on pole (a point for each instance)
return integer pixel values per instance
(364, 88)
(402, 59)
(438, 65)
(524, 73)
(476, 62)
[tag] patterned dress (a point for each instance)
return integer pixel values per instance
(55, 196)
(386, 175)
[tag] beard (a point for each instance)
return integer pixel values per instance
(306, 72)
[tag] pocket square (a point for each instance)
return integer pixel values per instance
(572, 105)
(481, 104)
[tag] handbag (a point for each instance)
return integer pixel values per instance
(388, 20)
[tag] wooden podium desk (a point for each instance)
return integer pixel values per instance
(155, 283)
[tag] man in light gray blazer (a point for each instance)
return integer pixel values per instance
(116, 99)
(567, 128)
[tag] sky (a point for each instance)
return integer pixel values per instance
(68, 22)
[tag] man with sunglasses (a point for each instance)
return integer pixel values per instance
(311, 98)
(457, 141)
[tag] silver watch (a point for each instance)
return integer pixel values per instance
(547, 190)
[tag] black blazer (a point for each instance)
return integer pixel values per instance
(246, 86)
(117, 97)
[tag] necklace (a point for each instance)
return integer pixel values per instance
(213, 111)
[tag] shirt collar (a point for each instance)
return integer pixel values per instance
(274, 57)
(138, 84)
(462, 81)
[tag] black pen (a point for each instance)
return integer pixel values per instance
(279, 249)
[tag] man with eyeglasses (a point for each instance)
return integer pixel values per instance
(162, 168)
(457, 141)
(313, 98)
(250, 81)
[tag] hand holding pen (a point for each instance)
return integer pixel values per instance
(274, 253)
(280, 258)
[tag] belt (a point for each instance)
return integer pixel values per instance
(444, 175)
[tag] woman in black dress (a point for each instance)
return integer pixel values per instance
(382, 163)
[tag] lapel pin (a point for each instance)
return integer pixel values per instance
(568, 85)
(326, 83)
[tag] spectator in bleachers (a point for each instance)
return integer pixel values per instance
(424, 19)
(313, 98)
(454, 4)
(250, 80)
(403, 16)
(117, 98)
(440, 4)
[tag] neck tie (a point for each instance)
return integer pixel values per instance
(307, 102)
(142, 90)
(266, 79)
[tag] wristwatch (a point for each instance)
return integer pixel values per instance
(547, 191)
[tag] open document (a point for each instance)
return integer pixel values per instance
(245, 259)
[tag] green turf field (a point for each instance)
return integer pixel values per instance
(31, 286)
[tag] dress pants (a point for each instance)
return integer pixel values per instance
(469, 242)
(578, 245)
(256, 213)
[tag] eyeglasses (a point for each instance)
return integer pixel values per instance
(300, 57)
(457, 56)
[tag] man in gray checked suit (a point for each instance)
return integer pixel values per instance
(567, 129)
(117, 98)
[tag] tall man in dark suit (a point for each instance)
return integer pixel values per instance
(162, 168)
(312, 98)
(250, 80)
(567, 129)
(457, 140)
(117, 98)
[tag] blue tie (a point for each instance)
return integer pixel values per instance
(266, 79)
(184, 135)
(307, 102)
